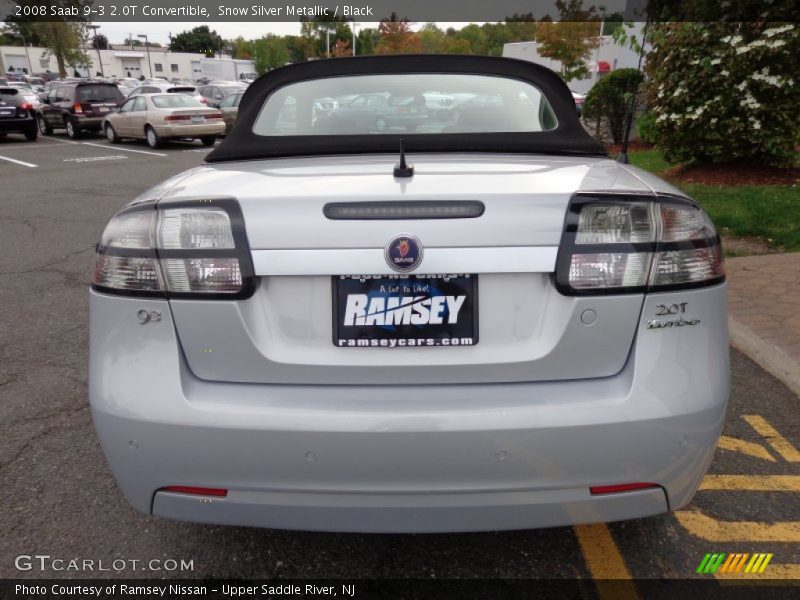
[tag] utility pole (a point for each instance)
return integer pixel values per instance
(94, 29)
(328, 33)
(147, 45)
(599, 43)
(354, 37)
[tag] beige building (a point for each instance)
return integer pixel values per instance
(119, 61)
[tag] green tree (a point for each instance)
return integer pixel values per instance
(397, 37)
(200, 39)
(496, 35)
(64, 41)
(314, 28)
(570, 43)
(300, 48)
(431, 38)
(100, 42)
(366, 40)
(609, 101)
(270, 53)
(475, 38)
(241, 48)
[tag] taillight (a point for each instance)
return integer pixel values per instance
(203, 100)
(197, 491)
(173, 118)
(26, 106)
(632, 244)
(182, 250)
(77, 108)
(621, 487)
(214, 116)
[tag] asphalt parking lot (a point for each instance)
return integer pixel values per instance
(60, 499)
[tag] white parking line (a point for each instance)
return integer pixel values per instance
(19, 162)
(95, 158)
(105, 146)
(55, 139)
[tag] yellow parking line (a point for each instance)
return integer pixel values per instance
(752, 483)
(605, 561)
(709, 529)
(749, 448)
(779, 443)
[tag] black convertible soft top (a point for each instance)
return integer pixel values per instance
(568, 138)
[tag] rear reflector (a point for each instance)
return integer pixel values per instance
(622, 487)
(430, 209)
(200, 491)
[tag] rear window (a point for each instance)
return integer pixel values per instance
(181, 90)
(98, 93)
(10, 96)
(175, 101)
(419, 103)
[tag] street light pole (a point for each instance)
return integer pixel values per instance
(354, 37)
(599, 43)
(94, 29)
(147, 46)
(328, 33)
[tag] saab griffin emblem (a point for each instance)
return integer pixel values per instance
(404, 253)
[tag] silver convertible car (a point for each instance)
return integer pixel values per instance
(481, 324)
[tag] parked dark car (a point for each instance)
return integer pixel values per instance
(377, 113)
(214, 94)
(16, 114)
(78, 107)
(229, 107)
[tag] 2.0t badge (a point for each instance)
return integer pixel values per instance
(404, 253)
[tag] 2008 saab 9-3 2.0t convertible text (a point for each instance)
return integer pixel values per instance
(441, 309)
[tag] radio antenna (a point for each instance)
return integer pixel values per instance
(402, 169)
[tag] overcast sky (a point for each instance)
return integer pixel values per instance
(159, 32)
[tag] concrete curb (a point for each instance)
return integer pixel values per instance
(771, 358)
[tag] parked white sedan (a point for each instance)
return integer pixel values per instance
(160, 117)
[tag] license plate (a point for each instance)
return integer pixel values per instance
(198, 119)
(405, 311)
(6, 112)
(103, 109)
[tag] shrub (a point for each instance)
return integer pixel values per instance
(722, 92)
(646, 128)
(608, 102)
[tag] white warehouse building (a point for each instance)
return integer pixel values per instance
(117, 61)
(608, 57)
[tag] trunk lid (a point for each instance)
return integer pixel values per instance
(526, 330)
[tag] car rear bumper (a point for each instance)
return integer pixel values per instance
(200, 130)
(17, 125)
(89, 122)
(411, 458)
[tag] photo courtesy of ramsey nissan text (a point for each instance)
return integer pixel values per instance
(399, 299)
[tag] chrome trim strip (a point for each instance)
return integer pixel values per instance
(506, 259)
